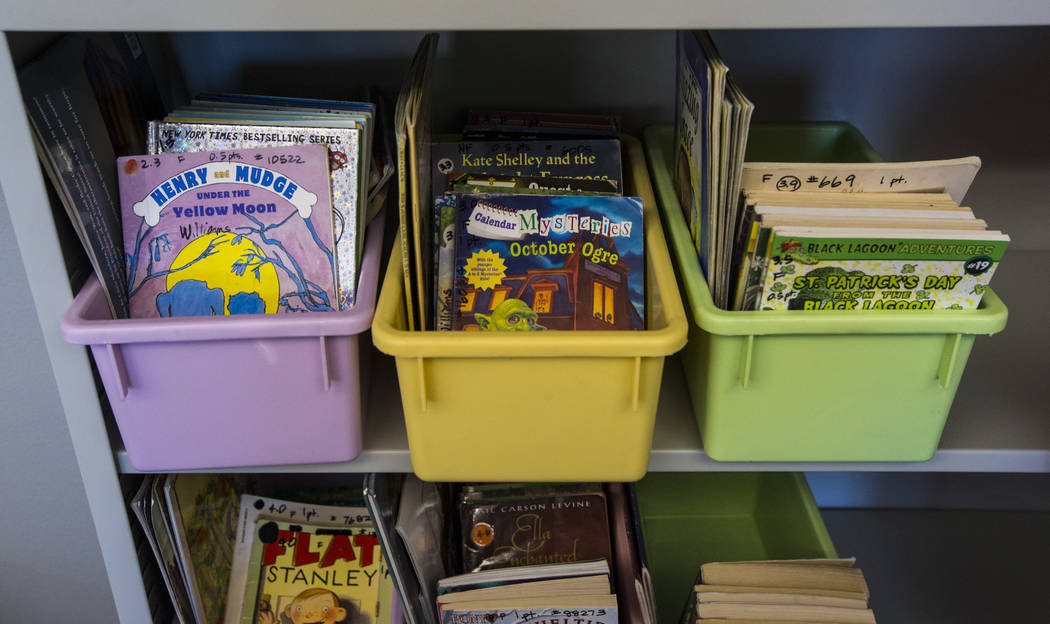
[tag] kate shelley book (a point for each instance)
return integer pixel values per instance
(228, 232)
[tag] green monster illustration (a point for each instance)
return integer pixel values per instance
(511, 315)
(820, 293)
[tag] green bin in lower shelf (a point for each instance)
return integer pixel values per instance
(696, 518)
(806, 385)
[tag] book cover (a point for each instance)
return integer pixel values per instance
(527, 529)
(344, 147)
(535, 262)
(818, 272)
(308, 573)
(597, 159)
(692, 129)
(229, 232)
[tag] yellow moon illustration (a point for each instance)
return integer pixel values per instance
(216, 270)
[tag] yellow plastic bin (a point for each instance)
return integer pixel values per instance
(814, 385)
(553, 406)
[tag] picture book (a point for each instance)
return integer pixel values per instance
(243, 231)
(535, 262)
(344, 146)
(203, 511)
(312, 573)
(857, 269)
(532, 526)
(353, 568)
(161, 545)
(87, 98)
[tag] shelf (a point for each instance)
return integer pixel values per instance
(58, 15)
(997, 424)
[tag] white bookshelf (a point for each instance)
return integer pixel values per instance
(503, 15)
(998, 422)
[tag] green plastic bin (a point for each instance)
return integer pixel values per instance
(691, 519)
(814, 385)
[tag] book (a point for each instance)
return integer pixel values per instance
(160, 542)
(784, 574)
(532, 525)
(785, 612)
(522, 574)
(203, 511)
(489, 182)
(594, 159)
(344, 147)
(87, 98)
(878, 269)
(549, 610)
(534, 262)
(411, 135)
(228, 232)
(312, 573)
(488, 123)
(712, 120)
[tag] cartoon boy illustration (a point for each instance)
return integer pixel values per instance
(315, 606)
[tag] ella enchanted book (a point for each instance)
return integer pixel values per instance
(228, 232)
(536, 262)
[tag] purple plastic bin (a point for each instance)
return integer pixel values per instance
(247, 390)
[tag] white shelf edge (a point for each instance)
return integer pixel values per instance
(272, 15)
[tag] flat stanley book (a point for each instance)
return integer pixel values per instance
(230, 232)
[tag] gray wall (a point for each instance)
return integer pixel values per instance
(52, 566)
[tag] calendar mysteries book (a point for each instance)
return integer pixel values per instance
(310, 573)
(536, 262)
(344, 149)
(852, 272)
(228, 232)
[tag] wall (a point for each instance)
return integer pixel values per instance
(52, 564)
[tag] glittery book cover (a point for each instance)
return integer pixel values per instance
(232, 232)
(344, 147)
(535, 262)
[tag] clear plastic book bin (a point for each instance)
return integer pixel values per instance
(815, 385)
(554, 406)
(250, 390)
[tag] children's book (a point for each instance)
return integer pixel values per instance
(267, 531)
(344, 147)
(203, 511)
(241, 231)
(306, 572)
(535, 262)
(533, 525)
(873, 269)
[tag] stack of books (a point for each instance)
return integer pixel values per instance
(797, 590)
(544, 592)
(862, 251)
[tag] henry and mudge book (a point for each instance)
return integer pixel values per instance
(229, 232)
(535, 262)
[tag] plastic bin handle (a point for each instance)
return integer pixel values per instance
(948, 357)
(326, 373)
(120, 371)
(745, 360)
